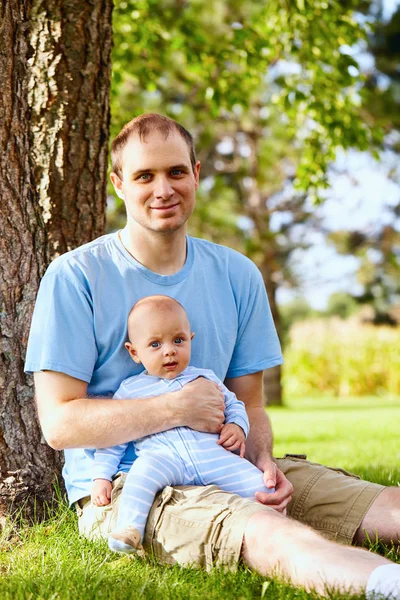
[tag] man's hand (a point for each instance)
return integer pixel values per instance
(200, 405)
(101, 492)
(280, 499)
(232, 438)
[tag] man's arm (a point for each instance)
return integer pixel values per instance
(70, 419)
(259, 442)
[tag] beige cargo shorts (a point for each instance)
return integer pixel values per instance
(204, 526)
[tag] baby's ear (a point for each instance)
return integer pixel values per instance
(192, 335)
(132, 352)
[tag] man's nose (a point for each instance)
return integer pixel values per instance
(163, 188)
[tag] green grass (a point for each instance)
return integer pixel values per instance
(358, 434)
(50, 562)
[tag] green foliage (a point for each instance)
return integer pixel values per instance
(341, 305)
(379, 252)
(379, 270)
(382, 102)
(342, 358)
(296, 310)
(292, 312)
(205, 62)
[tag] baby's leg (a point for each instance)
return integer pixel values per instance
(149, 474)
(230, 472)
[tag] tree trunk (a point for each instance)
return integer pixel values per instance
(256, 208)
(54, 120)
(272, 377)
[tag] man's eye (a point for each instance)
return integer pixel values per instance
(144, 177)
(176, 172)
(178, 340)
(155, 344)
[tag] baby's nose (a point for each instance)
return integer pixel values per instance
(169, 350)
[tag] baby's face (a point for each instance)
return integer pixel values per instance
(162, 342)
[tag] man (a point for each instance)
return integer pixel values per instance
(76, 351)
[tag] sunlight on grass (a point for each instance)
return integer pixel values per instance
(51, 562)
(361, 435)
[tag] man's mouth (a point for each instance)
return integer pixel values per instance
(164, 208)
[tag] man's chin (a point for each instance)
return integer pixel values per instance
(169, 226)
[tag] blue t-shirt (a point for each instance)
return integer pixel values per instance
(79, 324)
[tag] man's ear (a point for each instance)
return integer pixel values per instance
(132, 352)
(192, 335)
(118, 185)
(196, 172)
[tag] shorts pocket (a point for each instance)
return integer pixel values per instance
(97, 521)
(154, 518)
(213, 543)
(344, 472)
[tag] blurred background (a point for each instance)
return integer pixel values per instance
(294, 107)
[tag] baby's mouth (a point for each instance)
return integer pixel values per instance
(170, 365)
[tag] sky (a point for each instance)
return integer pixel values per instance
(389, 6)
(363, 198)
(359, 197)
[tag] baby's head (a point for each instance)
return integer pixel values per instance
(159, 336)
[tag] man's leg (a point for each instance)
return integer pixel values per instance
(382, 520)
(332, 501)
(205, 527)
(274, 544)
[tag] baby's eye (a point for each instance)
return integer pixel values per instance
(178, 340)
(155, 344)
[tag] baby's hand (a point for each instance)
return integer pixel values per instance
(232, 438)
(101, 492)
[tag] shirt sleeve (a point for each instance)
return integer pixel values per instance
(235, 411)
(257, 344)
(62, 334)
(106, 461)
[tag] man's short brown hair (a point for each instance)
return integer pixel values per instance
(142, 126)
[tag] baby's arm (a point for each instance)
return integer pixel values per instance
(105, 465)
(236, 427)
(101, 492)
(235, 410)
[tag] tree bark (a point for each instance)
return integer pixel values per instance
(54, 120)
(272, 378)
(257, 209)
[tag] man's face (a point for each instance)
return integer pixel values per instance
(158, 182)
(161, 341)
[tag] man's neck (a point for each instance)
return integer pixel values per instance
(161, 253)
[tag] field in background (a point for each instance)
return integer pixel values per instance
(341, 358)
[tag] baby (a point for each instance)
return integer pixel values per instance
(160, 339)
